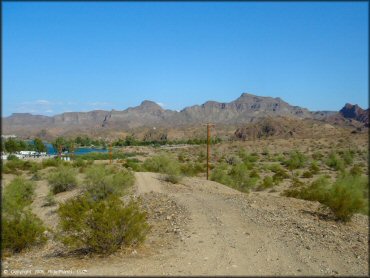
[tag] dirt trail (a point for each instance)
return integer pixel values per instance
(202, 227)
(222, 238)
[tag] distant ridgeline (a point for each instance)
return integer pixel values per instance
(151, 123)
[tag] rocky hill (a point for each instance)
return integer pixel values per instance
(247, 108)
(355, 112)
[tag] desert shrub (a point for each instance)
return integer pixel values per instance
(296, 160)
(296, 182)
(101, 226)
(317, 191)
(335, 162)
(192, 169)
(356, 170)
(201, 156)
(307, 174)
(181, 157)
(164, 164)
(346, 197)
(248, 158)
(62, 179)
(279, 173)
(314, 167)
(240, 177)
(134, 164)
(233, 159)
(18, 194)
(12, 157)
(50, 162)
(265, 152)
(21, 229)
(347, 157)
(102, 181)
(254, 174)
(266, 183)
(220, 174)
(16, 165)
(79, 162)
(35, 167)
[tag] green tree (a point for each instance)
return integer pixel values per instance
(11, 145)
(39, 145)
(59, 144)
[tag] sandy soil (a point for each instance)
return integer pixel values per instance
(204, 228)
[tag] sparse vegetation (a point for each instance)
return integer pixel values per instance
(62, 179)
(335, 162)
(101, 226)
(102, 181)
(20, 227)
(346, 196)
(296, 160)
(164, 164)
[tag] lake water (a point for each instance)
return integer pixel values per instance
(78, 151)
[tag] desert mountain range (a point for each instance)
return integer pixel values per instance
(246, 111)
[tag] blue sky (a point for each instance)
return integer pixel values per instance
(62, 56)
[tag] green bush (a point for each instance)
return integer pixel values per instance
(248, 158)
(347, 157)
(266, 183)
(296, 160)
(50, 162)
(134, 164)
(241, 179)
(164, 164)
(192, 168)
(346, 197)
(307, 174)
(279, 173)
(220, 174)
(62, 179)
(101, 226)
(254, 174)
(314, 167)
(18, 194)
(102, 181)
(356, 170)
(317, 191)
(79, 162)
(12, 157)
(335, 162)
(21, 229)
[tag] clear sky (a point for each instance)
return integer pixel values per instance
(62, 56)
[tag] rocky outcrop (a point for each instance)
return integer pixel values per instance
(355, 112)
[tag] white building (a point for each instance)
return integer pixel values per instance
(28, 153)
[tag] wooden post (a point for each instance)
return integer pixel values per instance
(110, 153)
(60, 151)
(208, 147)
(73, 151)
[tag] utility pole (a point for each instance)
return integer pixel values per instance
(110, 153)
(72, 151)
(60, 151)
(208, 146)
